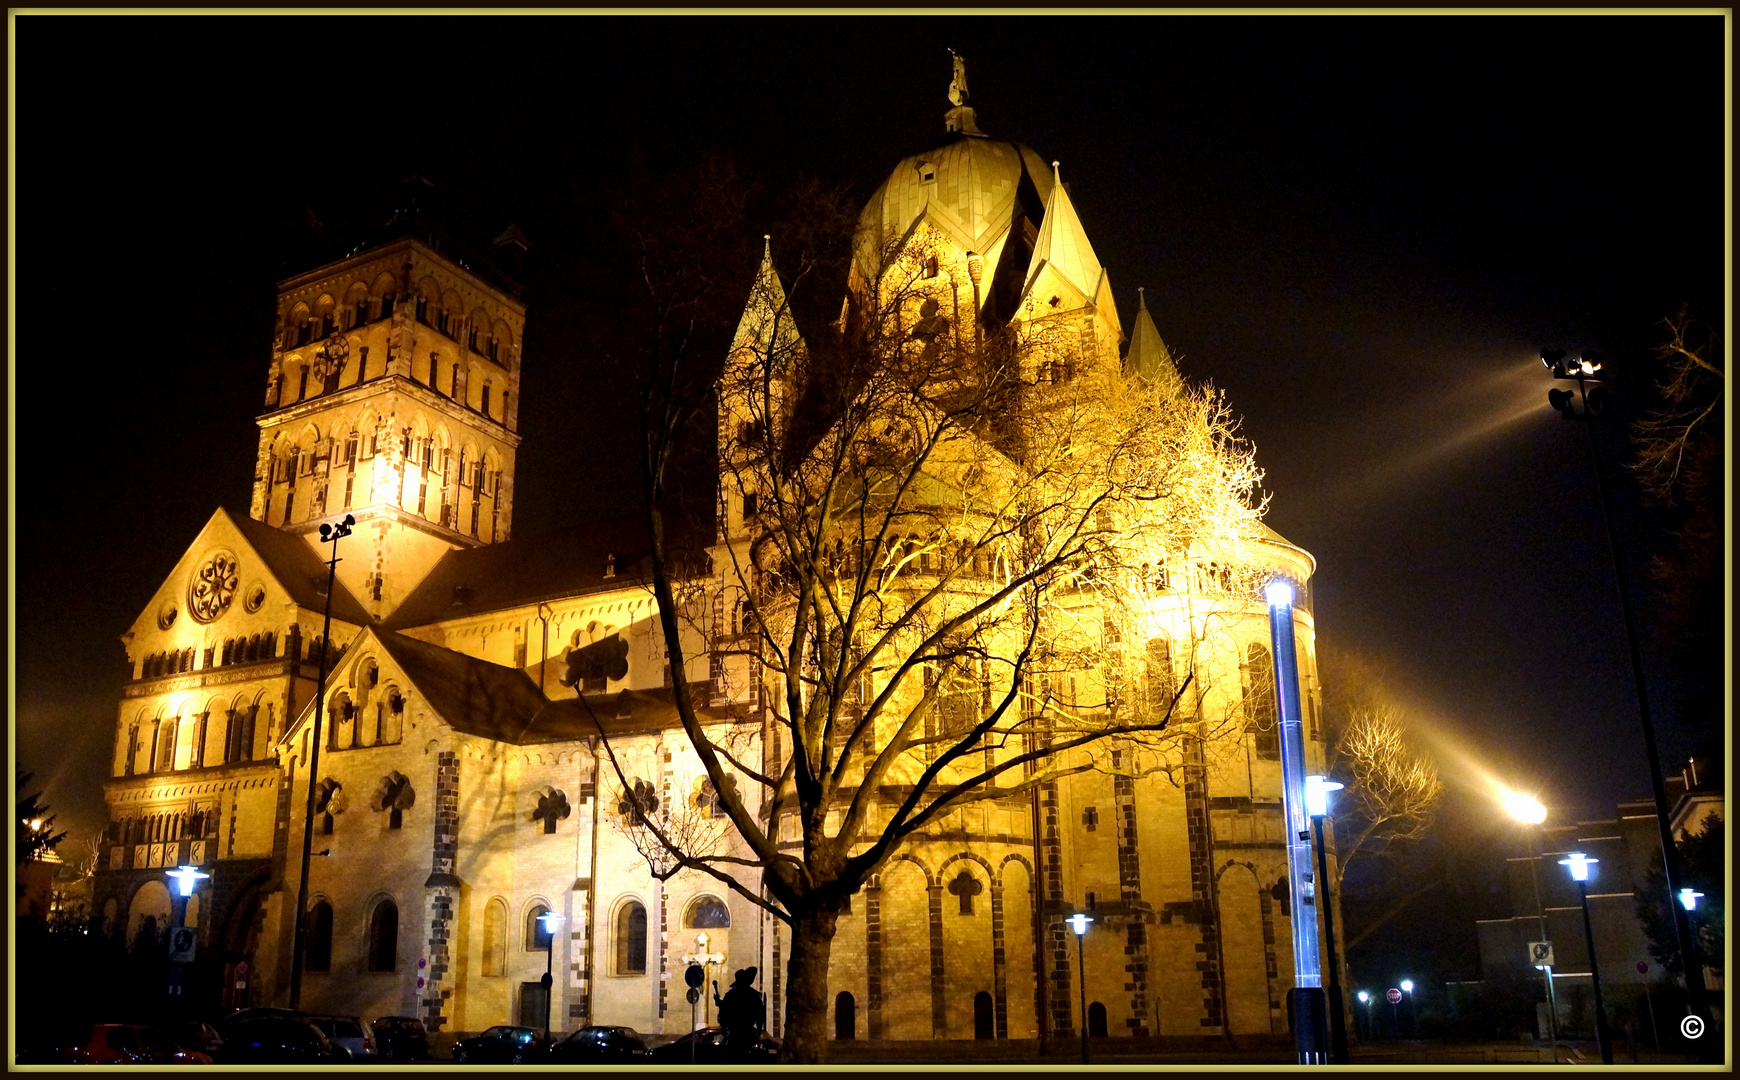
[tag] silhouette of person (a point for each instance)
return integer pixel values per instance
(742, 1013)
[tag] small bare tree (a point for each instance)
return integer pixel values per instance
(1676, 436)
(1393, 790)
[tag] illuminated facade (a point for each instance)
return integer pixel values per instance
(461, 789)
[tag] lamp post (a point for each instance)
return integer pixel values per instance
(1529, 811)
(1584, 370)
(1317, 790)
(1579, 865)
(1365, 999)
(1079, 923)
(1307, 994)
(1407, 986)
(185, 878)
(329, 534)
(1689, 901)
(549, 920)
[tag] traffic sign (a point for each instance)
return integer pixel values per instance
(1643, 967)
(181, 945)
(241, 968)
(1541, 953)
(1393, 994)
(694, 975)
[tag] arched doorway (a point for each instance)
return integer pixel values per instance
(845, 1016)
(984, 1017)
(1097, 1019)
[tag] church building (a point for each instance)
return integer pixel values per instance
(461, 785)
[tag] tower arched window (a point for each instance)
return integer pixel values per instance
(319, 954)
(630, 935)
(486, 391)
(495, 938)
(1261, 717)
(383, 940)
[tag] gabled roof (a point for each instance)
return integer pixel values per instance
(767, 313)
(298, 568)
(470, 695)
(526, 570)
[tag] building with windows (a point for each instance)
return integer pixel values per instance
(462, 788)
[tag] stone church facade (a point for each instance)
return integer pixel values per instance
(461, 787)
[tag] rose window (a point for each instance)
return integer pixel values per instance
(214, 586)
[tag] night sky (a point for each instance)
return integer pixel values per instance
(1363, 229)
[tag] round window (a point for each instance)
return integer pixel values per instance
(213, 587)
(256, 597)
(166, 615)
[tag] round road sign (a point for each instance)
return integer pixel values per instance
(1393, 994)
(1643, 967)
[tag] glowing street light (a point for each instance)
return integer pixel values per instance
(1317, 791)
(1585, 370)
(1578, 864)
(1309, 1012)
(549, 920)
(1079, 923)
(1529, 811)
(1365, 999)
(186, 877)
(1689, 899)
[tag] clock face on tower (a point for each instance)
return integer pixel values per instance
(213, 587)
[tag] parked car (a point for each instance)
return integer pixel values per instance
(401, 1038)
(706, 1046)
(115, 1044)
(600, 1045)
(504, 1042)
(349, 1036)
(275, 1040)
(198, 1035)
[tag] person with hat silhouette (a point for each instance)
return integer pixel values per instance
(742, 1013)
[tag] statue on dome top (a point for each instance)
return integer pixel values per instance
(958, 88)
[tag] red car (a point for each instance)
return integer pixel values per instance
(129, 1044)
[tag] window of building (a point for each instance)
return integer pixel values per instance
(1091, 818)
(537, 935)
(441, 320)
(362, 311)
(1261, 719)
(384, 937)
(495, 919)
(707, 913)
(486, 391)
(319, 954)
(326, 325)
(631, 939)
(387, 306)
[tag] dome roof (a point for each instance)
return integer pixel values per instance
(974, 188)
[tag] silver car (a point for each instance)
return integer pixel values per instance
(349, 1035)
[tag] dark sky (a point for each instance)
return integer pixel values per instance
(1363, 229)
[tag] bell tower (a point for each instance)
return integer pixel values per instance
(393, 396)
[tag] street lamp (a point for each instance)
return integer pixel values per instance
(1317, 789)
(1079, 923)
(1309, 1018)
(185, 878)
(1407, 986)
(1529, 811)
(1689, 901)
(329, 534)
(549, 920)
(1587, 369)
(1365, 999)
(1578, 864)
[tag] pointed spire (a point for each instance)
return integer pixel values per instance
(766, 300)
(1062, 244)
(1148, 357)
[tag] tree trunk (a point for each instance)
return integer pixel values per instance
(805, 1038)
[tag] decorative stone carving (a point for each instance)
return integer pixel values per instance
(213, 587)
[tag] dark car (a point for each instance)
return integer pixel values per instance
(600, 1045)
(118, 1044)
(706, 1046)
(198, 1035)
(275, 1040)
(401, 1038)
(504, 1042)
(350, 1037)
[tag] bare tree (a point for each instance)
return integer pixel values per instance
(1676, 437)
(931, 534)
(1393, 790)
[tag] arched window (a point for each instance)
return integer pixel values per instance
(631, 939)
(1161, 675)
(166, 749)
(984, 1016)
(384, 937)
(1096, 1019)
(319, 954)
(706, 913)
(1261, 719)
(495, 938)
(537, 936)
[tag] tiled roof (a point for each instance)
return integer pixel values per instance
(298, 567)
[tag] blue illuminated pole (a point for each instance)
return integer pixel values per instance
(1309, 1009)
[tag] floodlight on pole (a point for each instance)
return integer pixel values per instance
(549, 920)
(1689, 899)
(1317, 791)
(186, 877)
